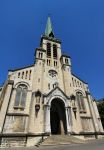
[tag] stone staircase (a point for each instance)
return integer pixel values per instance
(61, 139)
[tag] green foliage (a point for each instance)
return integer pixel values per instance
(101, 111)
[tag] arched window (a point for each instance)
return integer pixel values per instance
(55, 63)
(80, 100)
(49, 86)
(66, 61)
(48, 50)
(30, 75)
(21, 94)
(39, 54)
(26, 74)
(48, 62)
(19, 75)
(22, 75)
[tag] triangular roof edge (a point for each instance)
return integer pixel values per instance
(45, 95)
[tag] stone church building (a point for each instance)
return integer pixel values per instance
(46, 98)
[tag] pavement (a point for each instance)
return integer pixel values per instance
(91, 145)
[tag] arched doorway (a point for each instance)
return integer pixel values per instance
(58, 117)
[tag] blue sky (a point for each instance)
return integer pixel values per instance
(78, 23)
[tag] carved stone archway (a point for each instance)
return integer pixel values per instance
(57, 94)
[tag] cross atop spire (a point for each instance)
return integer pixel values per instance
(48, 29)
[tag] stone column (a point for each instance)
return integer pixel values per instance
(68, 119)
(5, 104)
(93, 115)
(97, 116)
(47, 119)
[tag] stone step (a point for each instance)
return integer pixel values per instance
(61, 139)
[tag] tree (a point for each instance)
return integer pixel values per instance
(101, 110)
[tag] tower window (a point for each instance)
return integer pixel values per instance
(66, 61)
(40, 55)
(48, 50)
(55, 51)
(49, 86)
(55, 63)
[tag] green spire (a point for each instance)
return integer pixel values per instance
(49, 30)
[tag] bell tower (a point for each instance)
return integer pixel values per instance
(49, 54)
(51, 45)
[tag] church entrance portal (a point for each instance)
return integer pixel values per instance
(58, 117)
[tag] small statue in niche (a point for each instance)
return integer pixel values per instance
(38, 96)
(73, 98)
(37, 106)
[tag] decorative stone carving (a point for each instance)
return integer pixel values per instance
(57, 93)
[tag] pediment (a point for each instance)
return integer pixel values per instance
(56, 93)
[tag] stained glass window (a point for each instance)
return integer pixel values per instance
(21, 94)
(80, 100)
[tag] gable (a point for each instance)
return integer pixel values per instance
(56, 93)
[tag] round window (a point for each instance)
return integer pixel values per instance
(52, 73)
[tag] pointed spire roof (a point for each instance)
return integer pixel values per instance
(48, 29)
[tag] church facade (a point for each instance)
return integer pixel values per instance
(46, 98)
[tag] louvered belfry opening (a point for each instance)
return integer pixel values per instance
(48, 50)
(54, 51)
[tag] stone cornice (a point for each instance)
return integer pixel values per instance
(79, 78)
(10, 82)
(50, 39)
(21, 68)
(17, 114)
